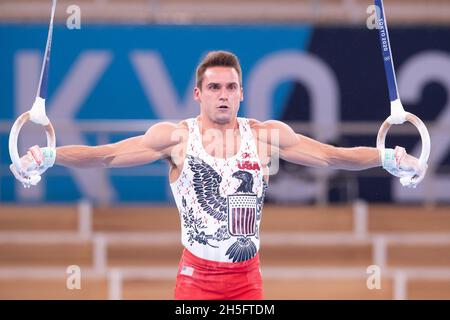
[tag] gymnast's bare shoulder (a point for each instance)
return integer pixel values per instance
(165, 135)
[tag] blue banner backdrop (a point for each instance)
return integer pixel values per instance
(123, 73)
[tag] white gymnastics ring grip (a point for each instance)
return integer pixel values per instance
(36, 115)
(425, 136)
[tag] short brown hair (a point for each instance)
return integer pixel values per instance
(218, 59)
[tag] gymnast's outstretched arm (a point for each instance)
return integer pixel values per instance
(158, 142)
(299, 149)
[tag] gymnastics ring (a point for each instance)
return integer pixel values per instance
(425, 136)
(18, 124)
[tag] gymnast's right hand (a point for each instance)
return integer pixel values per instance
(33, 164)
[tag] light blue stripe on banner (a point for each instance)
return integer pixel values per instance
(118, 92)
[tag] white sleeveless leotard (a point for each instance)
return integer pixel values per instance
(220, 200)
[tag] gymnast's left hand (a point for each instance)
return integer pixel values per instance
(407, 167)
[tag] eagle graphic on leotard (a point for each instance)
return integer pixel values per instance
(206, 184)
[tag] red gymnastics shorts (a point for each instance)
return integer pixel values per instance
(200, 279)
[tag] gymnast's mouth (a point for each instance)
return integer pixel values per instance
(223, 107)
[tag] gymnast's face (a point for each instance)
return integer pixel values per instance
(220, 94)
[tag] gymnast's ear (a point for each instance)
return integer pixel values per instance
(197, 94)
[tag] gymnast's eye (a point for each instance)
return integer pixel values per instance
(214, 86)
(232, 86)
